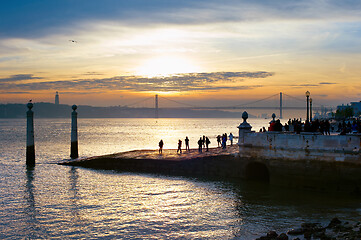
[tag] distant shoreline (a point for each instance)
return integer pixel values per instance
(51, 110)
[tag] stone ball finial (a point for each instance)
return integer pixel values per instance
(74, 107)
(30, 105)
(273, 115)
(245, 116)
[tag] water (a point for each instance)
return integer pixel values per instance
(52, 201)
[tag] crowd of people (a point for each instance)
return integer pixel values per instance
(349, 127)
(203, 143)
(322, 126)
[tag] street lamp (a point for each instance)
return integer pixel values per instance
(308, 107)
(311, 109)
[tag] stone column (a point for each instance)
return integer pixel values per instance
(273, 118)
(74, 133)
(244, 128)
(30, 146)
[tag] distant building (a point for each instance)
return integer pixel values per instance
(356, 108)
(342, 107)
(57, 98)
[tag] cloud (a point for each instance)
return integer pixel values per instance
(327, 83)
(93, 73)
(213, 81)
(304, 85)
(310, 85)
(19, 77)
(15, 92)
(21, 18)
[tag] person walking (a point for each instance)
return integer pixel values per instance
(187, 143)
(161, 146)
(179, 146)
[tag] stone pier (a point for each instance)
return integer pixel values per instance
(307, 160)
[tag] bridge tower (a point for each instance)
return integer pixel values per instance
(156, 106)
(281, 105)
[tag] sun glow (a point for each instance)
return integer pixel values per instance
(165, 66)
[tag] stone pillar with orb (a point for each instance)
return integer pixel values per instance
(244, 128)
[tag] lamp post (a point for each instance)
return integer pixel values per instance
(311, 109)
(308, 106)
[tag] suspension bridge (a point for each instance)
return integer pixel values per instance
(273, 102)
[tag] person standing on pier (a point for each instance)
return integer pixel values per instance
(200, 144)
(187, 143)
(207, 143)
(161, 146)
(219, 140)
(224, 141)
(231, 138)
(179, 146)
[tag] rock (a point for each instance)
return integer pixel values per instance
(307, 235)
(263, 238)
(319, 235)
(272, 234)
(297, 231)
(311, 226)
(336, 230)
(282, 236)
(329, 234)
(334, 222)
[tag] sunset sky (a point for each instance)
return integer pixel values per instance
(203, 52)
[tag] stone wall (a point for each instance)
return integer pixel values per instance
(314, 141)
(312, 161)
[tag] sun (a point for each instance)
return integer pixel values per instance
(166, 66)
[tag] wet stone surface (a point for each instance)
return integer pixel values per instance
(168, 154)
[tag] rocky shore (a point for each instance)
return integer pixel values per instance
(335, 230)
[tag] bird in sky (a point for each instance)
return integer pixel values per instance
(73, 41)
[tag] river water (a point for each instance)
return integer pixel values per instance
(53, 201)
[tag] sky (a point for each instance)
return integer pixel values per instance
(200, 52)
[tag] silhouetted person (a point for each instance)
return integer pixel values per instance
(277, 126)
(200, 144)
(161, 146)
(219, 140)
(224, 140)
(307, 126)
(231, 138)
(339, 128)
(207, 143)
(271, 127)
(204, 140)
(179, 146)
(187, 143)
(327, 127)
